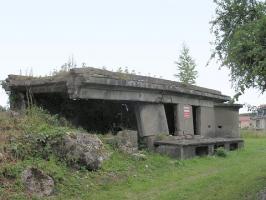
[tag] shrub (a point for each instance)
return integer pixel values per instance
(38, 130)
(221, 152)
(10, 171)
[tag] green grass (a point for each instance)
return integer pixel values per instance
(239, 175)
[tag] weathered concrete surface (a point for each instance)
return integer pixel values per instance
(184, 125)
(92, 83)
(227, 120)
(17, 101)
(151, 119)
(206, 122)
(188, 148)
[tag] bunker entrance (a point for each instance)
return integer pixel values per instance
(218, 146)
(195, 113)
(100, 116)
(201, 151)
(170, 116)
(233, 146)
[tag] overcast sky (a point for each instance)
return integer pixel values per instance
(144, 35)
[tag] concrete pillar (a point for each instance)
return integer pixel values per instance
(210, 149)
(206, 121)
(240, 145)
(184, 119)
(17, 101)
(227, 121)
(151, 121)
(227, 146)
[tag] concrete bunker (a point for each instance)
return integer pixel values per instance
(171, 118)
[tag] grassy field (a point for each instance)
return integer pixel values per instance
(240, 175)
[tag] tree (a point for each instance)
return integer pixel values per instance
(240, 42)
(186, 67)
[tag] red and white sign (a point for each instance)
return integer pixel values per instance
(186, 112)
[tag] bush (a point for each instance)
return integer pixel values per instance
(221, 152)
(10, 171)
(38, 129)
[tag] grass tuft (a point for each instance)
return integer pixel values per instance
(221, 152)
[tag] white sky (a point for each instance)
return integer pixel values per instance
(143, 35)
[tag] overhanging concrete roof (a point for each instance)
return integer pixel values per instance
(77, 80)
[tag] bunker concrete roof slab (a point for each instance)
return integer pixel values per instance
(103, 84)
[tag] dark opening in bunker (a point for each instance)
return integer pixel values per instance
(100, 116)
(195, 119)
(201, 151)
(233, 146)
(170, 116)
(216, 146)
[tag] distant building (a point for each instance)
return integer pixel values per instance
(245, 121)
(259, 119)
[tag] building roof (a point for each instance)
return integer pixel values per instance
(80, 77)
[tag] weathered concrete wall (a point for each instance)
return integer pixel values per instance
(151, 119)
(184, 125)
(137, 94)
(17, 101)
(183, 150)
(206, 121)
(227, 122)
(172, 151)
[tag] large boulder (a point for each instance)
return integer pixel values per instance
(127, 141)
(37, 182)
(81, 150)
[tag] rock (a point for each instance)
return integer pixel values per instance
(139, 156)
(127, 141)
(261, 195)
(37, 182)
(81, 149)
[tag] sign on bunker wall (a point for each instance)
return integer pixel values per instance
(186, 112)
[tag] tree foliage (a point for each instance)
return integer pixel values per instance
(186, 67)
(240, 41)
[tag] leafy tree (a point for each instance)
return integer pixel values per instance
(186, 67)
(240, 42)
